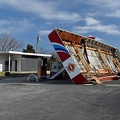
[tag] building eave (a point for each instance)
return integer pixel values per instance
(27, 54)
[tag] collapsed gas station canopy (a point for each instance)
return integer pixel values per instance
(84, 57)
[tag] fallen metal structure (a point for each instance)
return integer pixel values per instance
(85, 58)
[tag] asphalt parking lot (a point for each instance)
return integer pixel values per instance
(58, 100)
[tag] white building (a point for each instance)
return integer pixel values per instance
(20, 61)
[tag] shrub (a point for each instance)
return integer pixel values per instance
(7, 73)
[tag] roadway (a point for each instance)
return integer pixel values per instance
(56, 100)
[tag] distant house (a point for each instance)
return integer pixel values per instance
(20, 61)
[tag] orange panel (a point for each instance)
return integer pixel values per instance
(71, 37)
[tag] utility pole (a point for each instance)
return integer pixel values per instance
(38, 38)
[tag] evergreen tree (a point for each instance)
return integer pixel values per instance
(29, 49)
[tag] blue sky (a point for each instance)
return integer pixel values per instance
(25, 18)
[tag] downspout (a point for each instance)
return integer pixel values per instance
(9, 63)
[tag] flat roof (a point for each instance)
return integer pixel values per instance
(27, 54)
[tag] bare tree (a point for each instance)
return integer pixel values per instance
(8, 42)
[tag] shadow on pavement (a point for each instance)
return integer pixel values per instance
(42, 81)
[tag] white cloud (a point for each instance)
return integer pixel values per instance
(50, 10)
(49, 23)
(109, 29)
(109, 8)
(44, 32)
(25, 24)
(91, 21)
(96, 26)
(15, 26)
(4, 22)
(115, 14)
(45, 9)
(111, 4)
(99, 39)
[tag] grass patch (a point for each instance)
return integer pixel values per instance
(2, 73)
